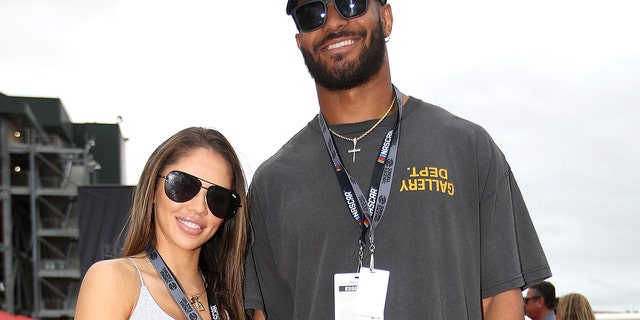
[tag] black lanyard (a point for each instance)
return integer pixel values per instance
(373, 206)
(176, 291)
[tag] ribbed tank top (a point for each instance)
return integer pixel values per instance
(146, 307)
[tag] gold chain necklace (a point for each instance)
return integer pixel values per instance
(193, 298)
(355, 140)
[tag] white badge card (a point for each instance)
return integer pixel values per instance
(372, 293)
(345, 295)
(360, 296)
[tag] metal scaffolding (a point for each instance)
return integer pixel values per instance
(40, 172)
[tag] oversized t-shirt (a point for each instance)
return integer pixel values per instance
(455, 229)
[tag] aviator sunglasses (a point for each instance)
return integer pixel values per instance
(312, 15)
(182, 187)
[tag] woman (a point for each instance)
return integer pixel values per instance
(187, 225)
(574, 306)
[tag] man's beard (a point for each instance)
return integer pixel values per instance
(348, 75)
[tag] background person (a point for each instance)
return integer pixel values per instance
(540, 301)
(574, 306)
(186, 224)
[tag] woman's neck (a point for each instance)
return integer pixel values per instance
(184, 264)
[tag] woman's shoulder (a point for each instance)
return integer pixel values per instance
(118, 276)
(118, 267)
(118, 273)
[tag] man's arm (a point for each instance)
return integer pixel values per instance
(504, 306)
(258, 315)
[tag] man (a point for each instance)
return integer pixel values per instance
(540, 301)
(442, 213)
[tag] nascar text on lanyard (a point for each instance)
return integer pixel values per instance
(373, 206)
(176, 291)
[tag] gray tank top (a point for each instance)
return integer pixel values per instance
(146, 307)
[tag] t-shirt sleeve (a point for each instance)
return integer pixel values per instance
(252, 294)
(534, 264)
(264, 288)
(511, 253)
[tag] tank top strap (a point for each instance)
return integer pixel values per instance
(139, 272)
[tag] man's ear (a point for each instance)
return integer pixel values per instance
(387, 19)
(298, 39)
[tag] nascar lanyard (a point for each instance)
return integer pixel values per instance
(367, 211)
(176, 291)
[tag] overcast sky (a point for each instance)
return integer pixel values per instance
(555, 82)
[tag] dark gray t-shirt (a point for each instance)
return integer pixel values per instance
(455, 230)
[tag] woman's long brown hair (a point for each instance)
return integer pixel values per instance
(222, 257)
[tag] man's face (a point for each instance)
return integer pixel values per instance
(533, 304)
(344, 54)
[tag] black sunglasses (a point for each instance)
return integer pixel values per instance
(527, 299)
(182, 187)
(312, 15)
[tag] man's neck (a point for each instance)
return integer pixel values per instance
(366, 102)
(544, 313)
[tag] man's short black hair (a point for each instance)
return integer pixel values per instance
(547, 291)
(292, 4)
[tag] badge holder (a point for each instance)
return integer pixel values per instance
(361, 295)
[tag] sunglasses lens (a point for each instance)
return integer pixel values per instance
(222, 202)
(351, 8)
(310, 16)
(181, 187)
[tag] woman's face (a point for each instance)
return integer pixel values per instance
(188, 225)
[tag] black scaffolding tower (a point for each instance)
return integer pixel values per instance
(44, 159)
